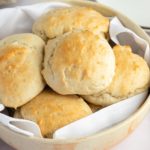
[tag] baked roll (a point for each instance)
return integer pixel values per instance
(52, 111)
(60, 21)
(21, 59)
(132, 76)
(78, 62)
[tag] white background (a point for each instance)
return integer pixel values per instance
(137, 10)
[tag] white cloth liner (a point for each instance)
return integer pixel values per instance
(20, 19)
(1, 107)
(102, 119)
(138, 44)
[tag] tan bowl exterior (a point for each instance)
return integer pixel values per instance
(100, 141)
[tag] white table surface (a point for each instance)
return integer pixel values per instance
(138, 140)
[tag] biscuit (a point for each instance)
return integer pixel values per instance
(17, 114)
(132, 76)
(78, 62)
(52, 111)
(21, 59)
(94, 108)
(60, 21)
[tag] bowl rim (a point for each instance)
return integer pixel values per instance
(145, 105)
(144, 108)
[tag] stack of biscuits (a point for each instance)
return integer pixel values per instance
(67, 69)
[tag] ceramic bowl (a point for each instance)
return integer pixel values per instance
(100, 141)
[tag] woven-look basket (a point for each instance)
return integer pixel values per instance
(100, 141)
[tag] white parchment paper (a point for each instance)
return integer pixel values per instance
(20, 20)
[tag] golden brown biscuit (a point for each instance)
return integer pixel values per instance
(60, 21)
(132, 76)
(79, 62)
(94, 108)
(52, 111)
(17, 114)
(21, 59)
